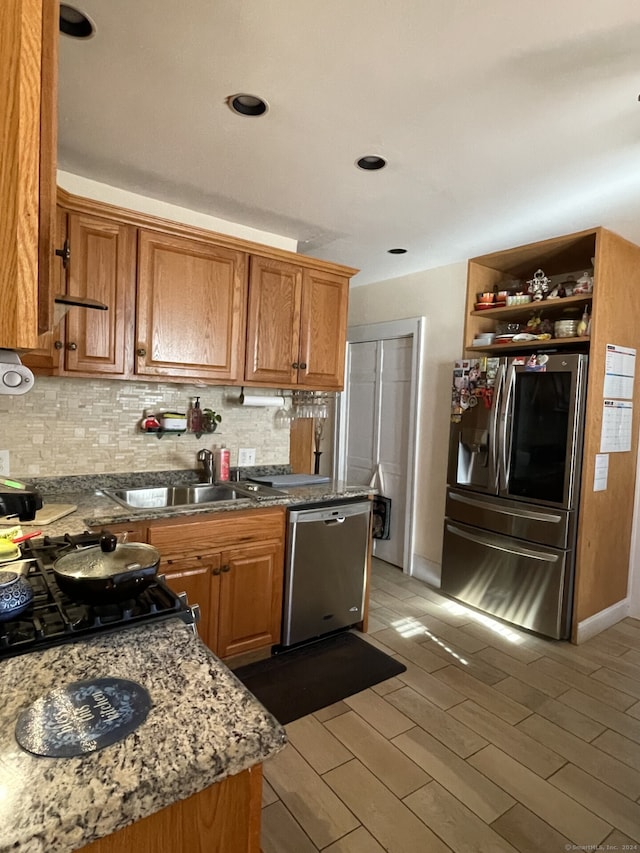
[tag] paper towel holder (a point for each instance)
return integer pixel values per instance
(258, 399)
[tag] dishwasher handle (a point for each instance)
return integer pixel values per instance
(336, 513)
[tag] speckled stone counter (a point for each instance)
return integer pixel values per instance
(96, 509)
(203, 726)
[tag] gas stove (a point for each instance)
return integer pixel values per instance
(54, 618)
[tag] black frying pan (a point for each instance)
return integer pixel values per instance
(107, 572)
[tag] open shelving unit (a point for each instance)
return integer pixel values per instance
(605, 516)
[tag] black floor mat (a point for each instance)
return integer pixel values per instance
(299, 682)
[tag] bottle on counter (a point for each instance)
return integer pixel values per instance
(222, 458)
(194, 419)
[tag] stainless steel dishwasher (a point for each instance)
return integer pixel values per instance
(325, 568)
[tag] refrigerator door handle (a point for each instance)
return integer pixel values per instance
(485, 504)
(505, 439)
(493, 423)
(494, 542)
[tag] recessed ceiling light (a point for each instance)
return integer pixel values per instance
(75, 23)
(397, 251)
(247, 105)
(371, 162)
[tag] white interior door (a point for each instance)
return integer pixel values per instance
(378, 423)
(394, 381)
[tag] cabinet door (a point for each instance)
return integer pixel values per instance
(273, 322)
(199, 578)
(101, 267)
(47, 227)
(24, 78)
(250, 598)
(46, 360)
(323, 330)
(224, 818)
(191, 308)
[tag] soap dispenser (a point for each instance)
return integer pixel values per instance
(195, 417)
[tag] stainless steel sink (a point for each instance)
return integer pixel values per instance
(160, 496)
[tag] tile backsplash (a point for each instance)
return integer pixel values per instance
(88, 426)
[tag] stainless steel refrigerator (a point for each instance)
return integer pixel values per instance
(513, 490)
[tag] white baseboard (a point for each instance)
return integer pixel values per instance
(604, 619)
(426, 571)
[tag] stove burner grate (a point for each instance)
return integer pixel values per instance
(55, 618)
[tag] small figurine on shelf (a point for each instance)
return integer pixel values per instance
(533, 324)
(150, 422)
(584, 284)
(538, 286)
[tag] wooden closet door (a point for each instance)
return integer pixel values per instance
(191, 308)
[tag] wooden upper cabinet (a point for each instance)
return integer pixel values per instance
(191, 308)
(28, 61)
(273, 322)
(323, 329)
(296, 327)
(102, 268)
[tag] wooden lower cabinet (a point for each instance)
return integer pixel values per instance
(250, 612)
(197, 578)
(232, 567)
(224, 818)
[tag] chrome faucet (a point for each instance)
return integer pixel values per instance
(206, 457)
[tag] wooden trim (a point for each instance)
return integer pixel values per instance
(301, 446)
(606, 517)
(48, 157)
(146, 220)
(364, 625)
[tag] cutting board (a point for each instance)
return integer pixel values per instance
(284, 480)
(48, 513)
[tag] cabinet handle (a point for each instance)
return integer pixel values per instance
(141, 351)
(64, 253)
(303, 365)
(295, 365)
(215, 571)
(71, 346)
(58, 345)
(226, 568)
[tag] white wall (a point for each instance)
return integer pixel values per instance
(438, 295)
(154, 207)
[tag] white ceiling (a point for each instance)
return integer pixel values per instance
(502, 122)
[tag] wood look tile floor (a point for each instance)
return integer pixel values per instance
(492, 740)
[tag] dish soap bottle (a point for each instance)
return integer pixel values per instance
(195, 417)
(222, 459)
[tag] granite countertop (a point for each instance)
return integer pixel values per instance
(96, 509)
(203, 726)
